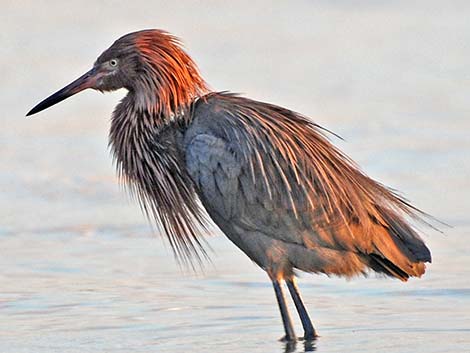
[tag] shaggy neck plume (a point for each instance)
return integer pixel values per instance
(169, 81)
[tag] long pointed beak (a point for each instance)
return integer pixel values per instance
(88, 80)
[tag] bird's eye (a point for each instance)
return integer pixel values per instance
(113, 62)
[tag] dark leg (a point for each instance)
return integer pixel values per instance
(309, 331)
(286, 320)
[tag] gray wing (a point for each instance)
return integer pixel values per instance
(233, 196)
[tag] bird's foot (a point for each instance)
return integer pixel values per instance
(288, 339)
(310, 336)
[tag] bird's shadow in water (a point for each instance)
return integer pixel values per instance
(309, 346)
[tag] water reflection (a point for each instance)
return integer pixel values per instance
(307, 345)
(289, 347)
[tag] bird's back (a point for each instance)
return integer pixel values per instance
(288, 198)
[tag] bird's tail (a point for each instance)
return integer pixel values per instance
(398, 251)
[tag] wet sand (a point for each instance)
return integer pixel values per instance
(81, 270)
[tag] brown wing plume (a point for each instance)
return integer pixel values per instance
(352, 211)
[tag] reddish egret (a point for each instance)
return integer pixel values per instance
(267, 176)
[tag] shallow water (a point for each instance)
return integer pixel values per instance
(81, 271)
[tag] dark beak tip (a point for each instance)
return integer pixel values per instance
(85, 81)
(33, 111)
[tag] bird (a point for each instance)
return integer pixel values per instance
(268, 177)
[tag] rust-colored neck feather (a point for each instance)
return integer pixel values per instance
(170, 80)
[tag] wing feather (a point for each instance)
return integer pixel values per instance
(268, 168)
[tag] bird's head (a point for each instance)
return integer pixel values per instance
(150, 64)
